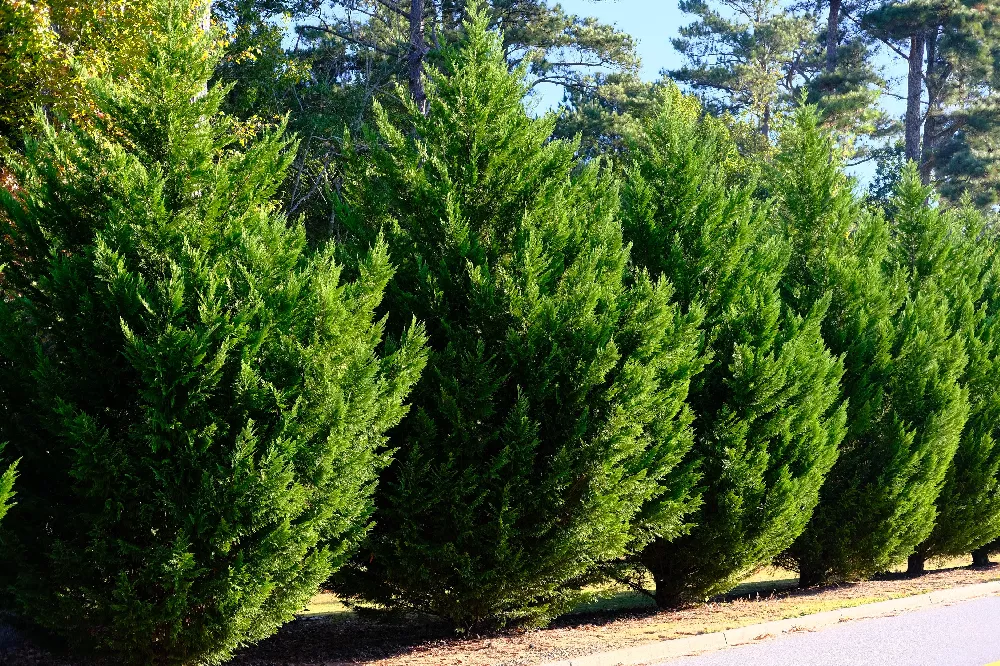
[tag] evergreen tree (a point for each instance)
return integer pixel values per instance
(767, 418)
(846, 83)
(756, 58)
(347, 53)
(952, 50)
(981, 555)
(889, 319)
(599, 115)
(745, 56)
(963, 250)
(547, 432)
(197, 401)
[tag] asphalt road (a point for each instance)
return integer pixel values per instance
(965, 634)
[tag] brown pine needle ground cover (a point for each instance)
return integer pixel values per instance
(331, 634)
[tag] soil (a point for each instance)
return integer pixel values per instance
(343, 637)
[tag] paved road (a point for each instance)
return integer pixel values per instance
(966, 634)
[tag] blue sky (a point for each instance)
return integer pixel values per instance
(654, 22)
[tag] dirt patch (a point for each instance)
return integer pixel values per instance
(331, 635)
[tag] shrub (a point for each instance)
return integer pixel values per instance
(889, 319)
(197, 400)
(964, 255)
(767, 414)
(552, 411)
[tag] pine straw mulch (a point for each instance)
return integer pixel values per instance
(343, 637)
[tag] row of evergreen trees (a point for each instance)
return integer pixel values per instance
(516, 371)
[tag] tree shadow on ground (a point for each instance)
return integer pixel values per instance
(358, 636)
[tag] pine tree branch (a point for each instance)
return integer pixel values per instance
(330, 30)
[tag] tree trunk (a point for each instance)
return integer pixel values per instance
(930, 123)
(667, 595)
(915, 565)
(809, 577)
(415, 57)
(832, 35)
(914, 87)
(981, 557)
(765, 120)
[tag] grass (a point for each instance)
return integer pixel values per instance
(326, 604)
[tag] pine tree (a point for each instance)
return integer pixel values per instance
(964, 253)
(745, 56)
(889, 319)
(767, 418)
(348, 52)
(846, 83)
(552, 411)
(197, 401)
(952, 50)
(599, 114)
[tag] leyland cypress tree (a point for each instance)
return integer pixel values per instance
(197, 401)
(964, 251)
(889, 319)
(552, 410)
(767, 417)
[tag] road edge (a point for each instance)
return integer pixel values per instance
(692, 645)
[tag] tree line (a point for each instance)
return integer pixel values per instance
(494, 358)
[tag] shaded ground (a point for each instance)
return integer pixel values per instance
(329, 634)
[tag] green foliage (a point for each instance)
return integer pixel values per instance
(958, 117)
(745, 56)
(889, 318)
(599, 115)
(196, 400)
(49, 48)
(346, 53)
(767, 422)
(968, 507)
(848, 97)
(7, 487)
(547, 432)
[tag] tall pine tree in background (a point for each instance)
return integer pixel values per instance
(324, 62)
(952, 52)
(548, 429)
(767, 418)
(197, 401)
(745, 56)
(903, 362)
(846, 81)
(960, 248)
